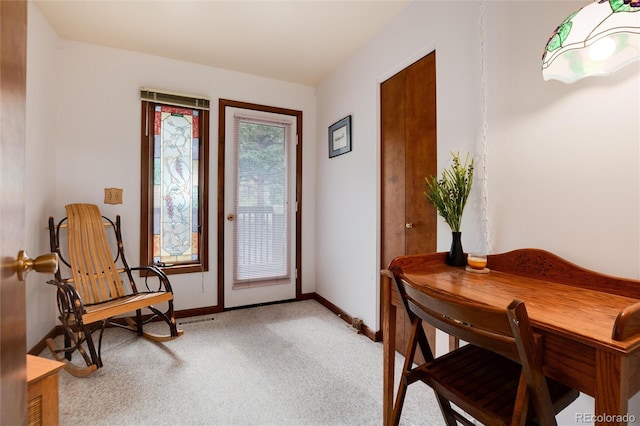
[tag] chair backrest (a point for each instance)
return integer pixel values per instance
(506, 331)
(91, 260)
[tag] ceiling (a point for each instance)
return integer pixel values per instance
(300, 41)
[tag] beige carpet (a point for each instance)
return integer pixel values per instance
(286, 364)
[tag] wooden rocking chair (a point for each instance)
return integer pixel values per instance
(98, 290)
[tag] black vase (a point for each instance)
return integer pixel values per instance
(455, 257)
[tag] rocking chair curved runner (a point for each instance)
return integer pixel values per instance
(98, 290)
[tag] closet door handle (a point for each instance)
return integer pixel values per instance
(408, 225)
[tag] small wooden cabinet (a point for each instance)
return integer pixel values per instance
(42, 390)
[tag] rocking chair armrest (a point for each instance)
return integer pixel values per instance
(67, 286)
(68, 298)
(149, 272)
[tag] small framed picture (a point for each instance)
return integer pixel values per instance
(340, 137)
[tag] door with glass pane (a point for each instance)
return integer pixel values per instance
(259, 207)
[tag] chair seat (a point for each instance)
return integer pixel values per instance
(123, 305)
(483, 383)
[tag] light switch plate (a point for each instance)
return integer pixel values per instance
(113, 195)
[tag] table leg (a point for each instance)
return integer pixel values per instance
(612, 389)
(388, 345)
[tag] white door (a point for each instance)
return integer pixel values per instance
(259, 226)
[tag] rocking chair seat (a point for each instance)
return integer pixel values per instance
(123, 305)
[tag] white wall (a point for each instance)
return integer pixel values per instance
(84, 136)
(348, 190)
(98, 140)
(563, 160)
(40, 166)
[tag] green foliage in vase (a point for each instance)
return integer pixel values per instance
(449, 194)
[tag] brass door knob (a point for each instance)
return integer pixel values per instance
(47, 263)
(230, 217)
(409, 225)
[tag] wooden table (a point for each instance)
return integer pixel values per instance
(590, 322)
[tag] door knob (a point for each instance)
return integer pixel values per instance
(47, 263)
(409, 225)
(230, 217)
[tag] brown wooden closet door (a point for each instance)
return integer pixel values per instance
(409, 148)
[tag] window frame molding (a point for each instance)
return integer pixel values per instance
(146, 192)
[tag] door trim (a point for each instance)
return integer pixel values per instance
(222, 104)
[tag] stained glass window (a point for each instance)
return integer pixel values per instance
(175, 184)
(175, 145)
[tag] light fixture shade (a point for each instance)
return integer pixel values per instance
(598, 39)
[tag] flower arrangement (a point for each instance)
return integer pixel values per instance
(449, 194)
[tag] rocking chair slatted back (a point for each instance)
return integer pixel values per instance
(94, 272)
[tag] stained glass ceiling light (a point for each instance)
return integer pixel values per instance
(598, 39)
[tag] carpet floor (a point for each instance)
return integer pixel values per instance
(285, 364)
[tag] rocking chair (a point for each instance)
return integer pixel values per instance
(98, 291)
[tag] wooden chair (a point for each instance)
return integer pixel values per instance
(101, 287)
(496, 378)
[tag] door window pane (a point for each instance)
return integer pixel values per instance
(261, 231)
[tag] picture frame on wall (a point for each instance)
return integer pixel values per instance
(340, 137)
